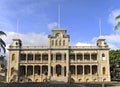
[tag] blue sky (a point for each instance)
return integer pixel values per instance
(80, 18)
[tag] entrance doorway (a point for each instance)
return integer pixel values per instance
(58, 70)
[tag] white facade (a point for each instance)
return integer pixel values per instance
(58, 61)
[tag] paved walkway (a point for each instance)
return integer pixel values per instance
(59, 85)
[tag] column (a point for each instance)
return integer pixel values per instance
(26, 57)
(33, 57)
(67, 63)
(99, 69)
(54, 57)
(49, 63)
(83, 56)
(83, 71)
(90, 69)
(26, 71)
(33, 70)
(41, 57)
(63, 71)
(90, 56)
(75, 57)
(76, 70)
(25, 74)
(54, 70)
(40, 70)
(33, 73)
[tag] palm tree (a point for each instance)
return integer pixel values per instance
(118, 24)
(2, 43)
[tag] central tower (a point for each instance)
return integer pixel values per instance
(59, 39)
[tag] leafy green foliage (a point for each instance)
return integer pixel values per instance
(114, 64)
(117, 26)
(114, 57)
(2, 43)
(2, 58)
(2, 33)
(117, 17)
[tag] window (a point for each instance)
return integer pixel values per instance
(13, 57)
(30, 57)
(23, 57)
(56, 42)
(63, 42)
(52, 42)
(103, 57)
(60, 42)
(104, 70)
(12, 71)
(58, 35)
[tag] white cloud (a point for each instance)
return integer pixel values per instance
(41, 39)
(112, 46)
(52, 25)
(112, 16)
(83, 44)
(112, 40)
(30, 39)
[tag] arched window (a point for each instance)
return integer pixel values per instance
(13, 57)
(52, 42)
(12, 71)
(60, 42)
(56, 42)
(63, 42)
(103, 57)
(104, 70)
(58, 35)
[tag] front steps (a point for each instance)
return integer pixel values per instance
(58, 79)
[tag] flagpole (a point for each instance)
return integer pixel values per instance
(59, 14)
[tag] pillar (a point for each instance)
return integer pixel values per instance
(54, 70)
(26, 57)
(90, 56)
(34, 57)
(26, 70)
(83, 70)
(49, 63)
(83, 56)
(76, 70)
(67, 63)
(63, 71)
(41, 70)
(54, 57)
(90, 69)
(33, 70)
(41, 57)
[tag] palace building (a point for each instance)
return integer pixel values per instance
(58, 61)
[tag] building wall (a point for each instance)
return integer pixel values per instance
(58, 61)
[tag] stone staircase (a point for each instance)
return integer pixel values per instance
(58, 79)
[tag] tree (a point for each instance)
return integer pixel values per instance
(115, 63)
(2, 43)
(118, 24)
(2, 63)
